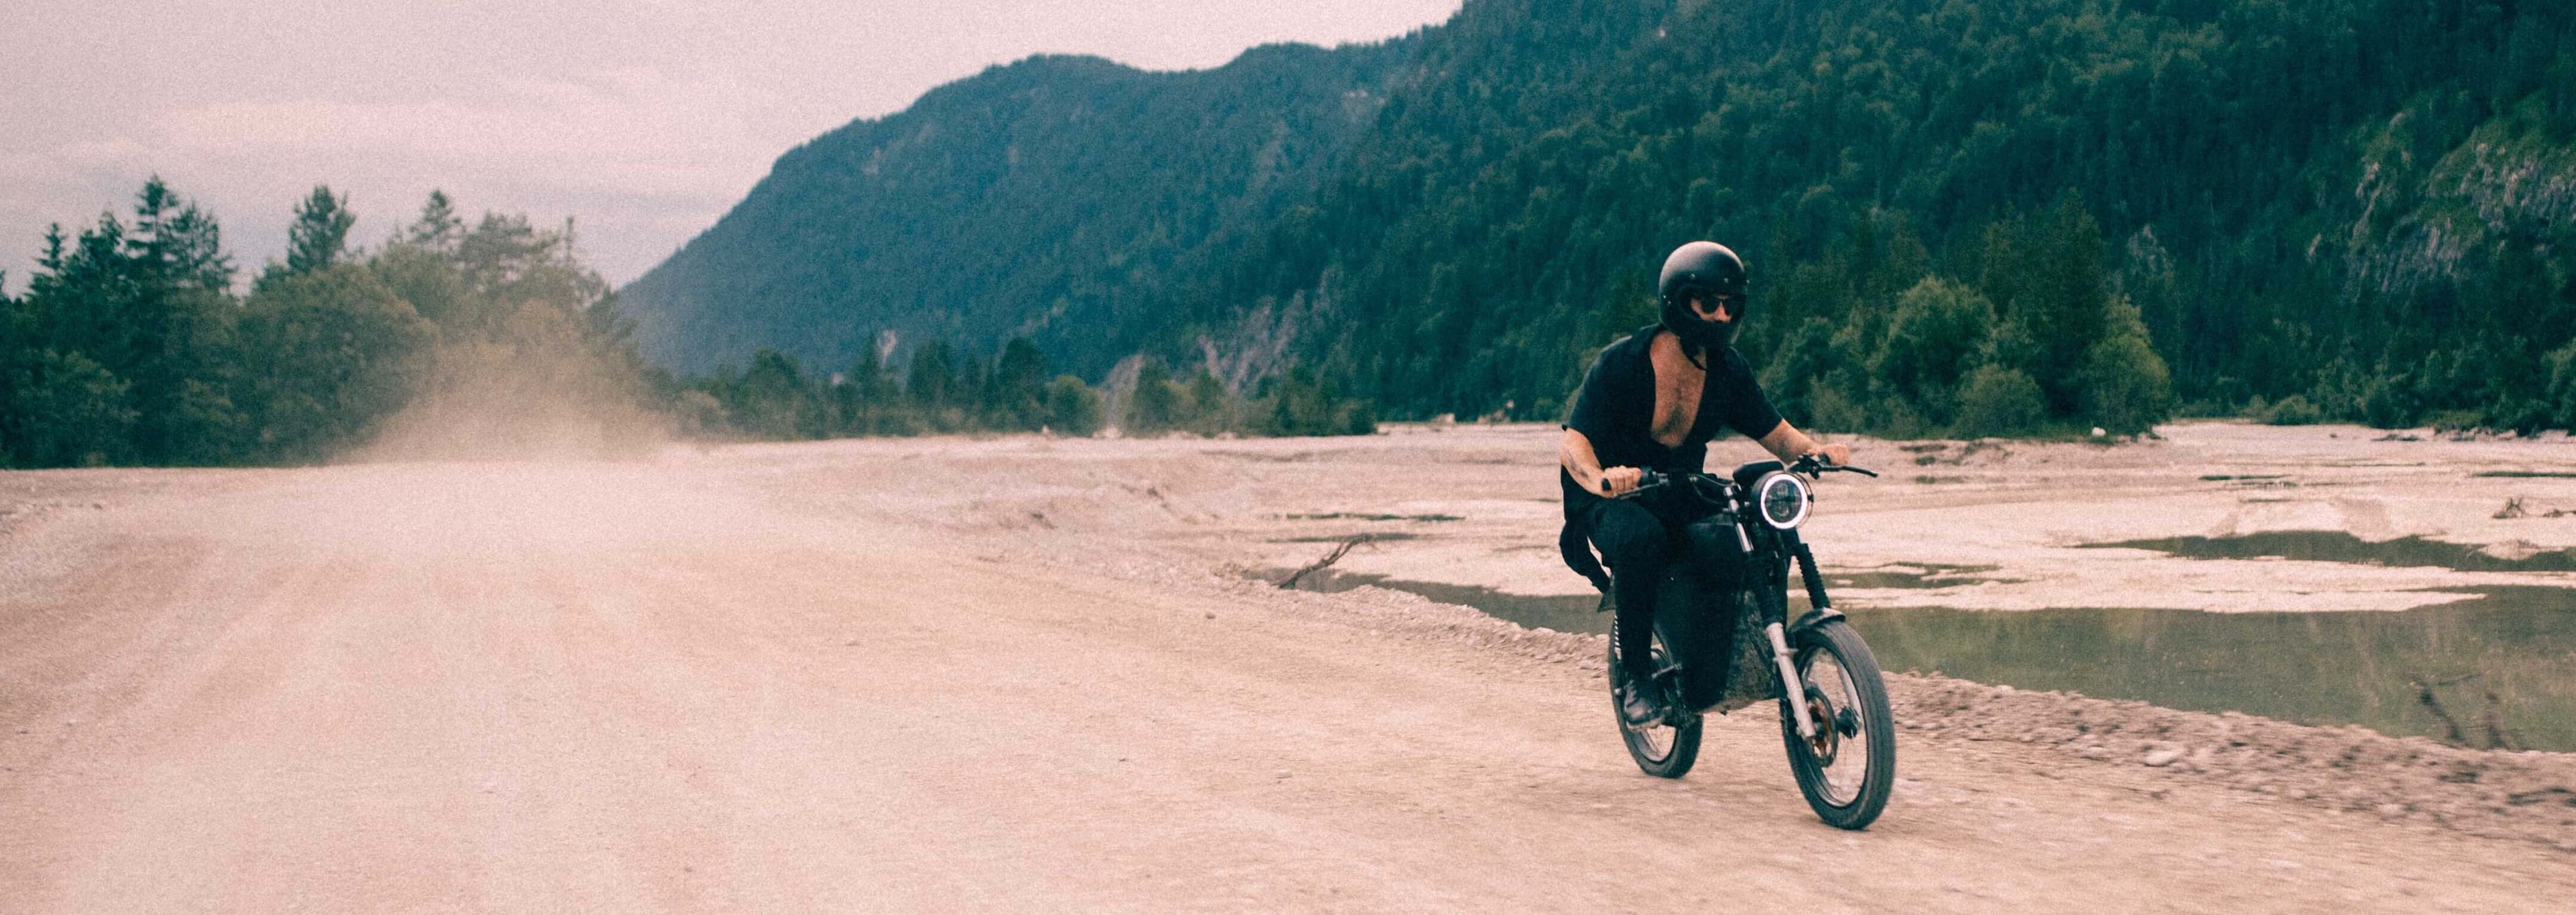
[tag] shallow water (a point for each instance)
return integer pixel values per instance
(2362, 667)
(2339, 546)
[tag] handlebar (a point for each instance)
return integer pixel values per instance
(1814, 468)
(1652, 479)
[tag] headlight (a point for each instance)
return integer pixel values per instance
(1783, 497)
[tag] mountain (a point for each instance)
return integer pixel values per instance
(1052, 198)
(2368, 204)
(2289, 193)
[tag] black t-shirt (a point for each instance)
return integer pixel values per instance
(1616, 411)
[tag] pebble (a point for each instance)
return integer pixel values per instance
(2160, 758)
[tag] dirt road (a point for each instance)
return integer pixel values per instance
(668, 687)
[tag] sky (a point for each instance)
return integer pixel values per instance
(643, 120)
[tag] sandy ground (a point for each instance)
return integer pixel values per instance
(1018, 674)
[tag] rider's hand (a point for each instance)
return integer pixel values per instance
(1617, 480)
(1836, 453)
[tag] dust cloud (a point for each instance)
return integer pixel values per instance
(520, 402)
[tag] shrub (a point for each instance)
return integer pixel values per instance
(1935, 335)
(2125, 387)
(1072, 408)
(1833, 412)
(2294, 410)
(1999, 401)
(2558, 399)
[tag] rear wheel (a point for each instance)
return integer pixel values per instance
(1847, 769)
(1662, 749)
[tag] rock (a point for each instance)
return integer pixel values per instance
(2161, 758)
(2392, 811)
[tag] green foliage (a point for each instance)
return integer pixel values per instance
(2122, 385)
(1999, 401)
(317, 239)
(77, 413)
(337, 350)
(1935, 336)
(132, 330)
(1072, 408)
(1157, 404)
(1058, 198)
(149, 306)
(1301, 404)
(2294, 410)
(2125, 386)
(2559, 398)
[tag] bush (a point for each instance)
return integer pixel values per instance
(1072, 408)
(2125, 387)
(1832, 412)
(1999, 401)
(2558, 398)
(1935, 335)
(2294, 410)
(78, 413)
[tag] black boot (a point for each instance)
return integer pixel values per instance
(1637, 707)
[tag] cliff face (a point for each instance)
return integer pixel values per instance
(2511, 183)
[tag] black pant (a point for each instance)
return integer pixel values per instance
(1641, 540)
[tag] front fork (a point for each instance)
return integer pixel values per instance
(1793, 691)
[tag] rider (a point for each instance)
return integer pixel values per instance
(1654, 400)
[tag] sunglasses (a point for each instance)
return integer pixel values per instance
(1707, 305)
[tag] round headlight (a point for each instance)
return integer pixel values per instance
(1784, 500)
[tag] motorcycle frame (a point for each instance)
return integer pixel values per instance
(1768, 552)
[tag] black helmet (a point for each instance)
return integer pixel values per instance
(1698, 270)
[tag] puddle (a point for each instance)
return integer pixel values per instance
(2324, 668)
(1339, 538)
(1359, 516)
(1933, 575)
(2339, 546)
(2314, 668)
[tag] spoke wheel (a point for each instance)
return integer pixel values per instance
(1847, 769)
(1663, 749)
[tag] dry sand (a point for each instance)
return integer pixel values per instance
(1022, 673)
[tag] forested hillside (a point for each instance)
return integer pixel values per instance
(1053, 198)
(1963, 215)
(2363, 202)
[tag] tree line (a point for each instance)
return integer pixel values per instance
(131, 346)
(945, 388)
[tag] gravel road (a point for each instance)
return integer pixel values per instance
(760, 679)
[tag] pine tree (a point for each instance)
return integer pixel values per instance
(438, 227)
(320, 234)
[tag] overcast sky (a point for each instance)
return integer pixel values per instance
(645, 119)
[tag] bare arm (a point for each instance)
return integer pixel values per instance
(1789, 444)
(1576, 456)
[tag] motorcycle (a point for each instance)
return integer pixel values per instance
(1721, 652)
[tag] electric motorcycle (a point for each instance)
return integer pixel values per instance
(1716, 652)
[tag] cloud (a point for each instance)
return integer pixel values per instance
(637, 155)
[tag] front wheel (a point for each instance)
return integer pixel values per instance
(1847, 769)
